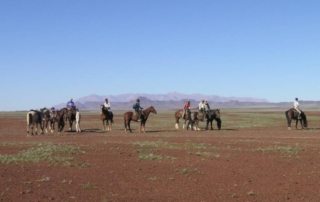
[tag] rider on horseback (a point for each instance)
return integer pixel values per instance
(297, 108)
(138, 109)
(186, 108)
(206, 106)
(202, 109)
(70, 104)
(107, 105)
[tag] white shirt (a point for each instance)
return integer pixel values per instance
(201, 106)
(107, 105)
(295, 104)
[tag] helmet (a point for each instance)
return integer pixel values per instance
(296, 99)
(106, 99)
(202, 100)
(138, 100)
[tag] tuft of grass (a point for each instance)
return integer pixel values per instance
(54, 154)
(145, 149)
(290, 150)
(147, 154)
(188, 171)
(88, 186)
(205, 154)
(167, 145)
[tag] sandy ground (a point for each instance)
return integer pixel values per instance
(257, 164)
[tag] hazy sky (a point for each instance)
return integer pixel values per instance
(51, 51)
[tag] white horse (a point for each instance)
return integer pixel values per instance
(78, 118)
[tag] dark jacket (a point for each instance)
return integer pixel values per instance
(137, 106)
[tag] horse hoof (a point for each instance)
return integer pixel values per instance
(289, 128)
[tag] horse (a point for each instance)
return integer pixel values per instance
(58, 116)
(190, 119)
(71, 116)
(213, 114)
(129, 116)
(105, 117)
(292, 114)
(46, 118)
(34, 119)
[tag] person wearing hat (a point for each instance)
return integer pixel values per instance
(70, 104)
(138, 109)
(202, 106)
(107, 105)
(296, 106)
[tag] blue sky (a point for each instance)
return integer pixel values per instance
(51, 51)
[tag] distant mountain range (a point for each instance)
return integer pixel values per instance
(173, 100)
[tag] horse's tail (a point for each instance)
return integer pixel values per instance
(288, 118)
(29, 117)
(219, 123)
(111, 117)
(125, 121)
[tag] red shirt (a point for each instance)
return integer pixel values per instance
(186, 106)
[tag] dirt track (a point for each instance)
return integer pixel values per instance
(260, 164)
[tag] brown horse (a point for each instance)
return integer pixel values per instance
(105, 117)
(46, 119)
(58, 116)
(70, 116)
(129, 116)
(190, 119)
(292, 114)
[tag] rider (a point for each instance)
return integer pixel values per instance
(186, 108)
(202, 106)
(138, 109)
(296, 107)
(107, 105)
(202, 109)
(206, 106)
(70, 104)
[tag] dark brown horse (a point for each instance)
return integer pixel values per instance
(211, 115)
(70, 116)
(58, 116)
(129, 116)
(105, 117)
(46, 119)
(292, 114)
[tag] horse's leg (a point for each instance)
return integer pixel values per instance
(129, 121)
(289, 122)
(211, 127)
(32, 128)
(110, 125)
(125, 125)
(207, 126)
(177, 123)
(297, 124)
(104, 124)
(70, 125)
(302, 127)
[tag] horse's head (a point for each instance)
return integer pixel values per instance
(304, 120)
(153, 110)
